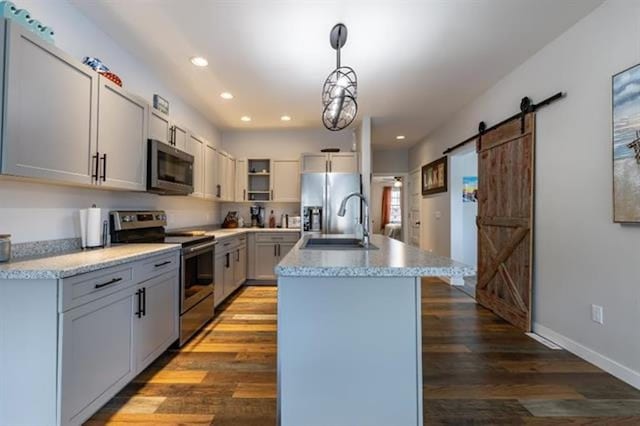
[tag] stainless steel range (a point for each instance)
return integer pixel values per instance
(197, 262)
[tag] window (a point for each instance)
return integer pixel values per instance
(396, 211)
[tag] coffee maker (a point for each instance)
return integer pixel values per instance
(257, 216)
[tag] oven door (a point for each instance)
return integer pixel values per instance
(169, 170)
(197, 274)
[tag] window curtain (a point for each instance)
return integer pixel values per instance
(386, 207)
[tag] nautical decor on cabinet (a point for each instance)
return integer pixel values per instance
(626, 145)
(161, 104)
(434, 177)
(22, 16)
(340, 88)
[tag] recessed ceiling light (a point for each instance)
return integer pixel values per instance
(285, 118)
(245, 118)
(400, 137)
(226, 95)
(199, 61)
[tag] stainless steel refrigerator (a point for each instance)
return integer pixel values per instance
(321, 195)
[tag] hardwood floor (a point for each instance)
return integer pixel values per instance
(477, 370)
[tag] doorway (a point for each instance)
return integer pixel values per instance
(387, 208)
(464, 209)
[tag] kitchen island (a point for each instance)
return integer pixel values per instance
(349, 333)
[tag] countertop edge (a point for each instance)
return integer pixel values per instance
(60, 273)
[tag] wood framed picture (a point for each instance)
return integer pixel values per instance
(626, 145)
(434, 177)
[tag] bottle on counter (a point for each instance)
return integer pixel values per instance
(272, 220)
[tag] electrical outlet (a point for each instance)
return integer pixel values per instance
(597, 314)
(438, 214)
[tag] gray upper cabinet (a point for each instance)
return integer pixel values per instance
(195, 146)
(180, 137)
(159, 126)
(122, 133)
(50, 111)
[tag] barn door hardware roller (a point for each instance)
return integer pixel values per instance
(526, 106)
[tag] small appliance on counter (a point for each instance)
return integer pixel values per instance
(257, 216)
(293, 222)
(231, 220)
(197, 273)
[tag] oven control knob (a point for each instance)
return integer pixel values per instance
(128, 218)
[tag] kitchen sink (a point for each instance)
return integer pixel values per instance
(335, 244)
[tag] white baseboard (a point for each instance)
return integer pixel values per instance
(612, 367)
(457, 281)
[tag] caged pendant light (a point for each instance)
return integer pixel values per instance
(340, 88)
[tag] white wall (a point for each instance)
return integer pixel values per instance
(581, 257)
(286, 144)
(393, 161)
(38, 211)
(464, 235)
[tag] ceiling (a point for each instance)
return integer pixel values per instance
(417, 61)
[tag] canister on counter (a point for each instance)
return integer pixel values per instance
(5, 247)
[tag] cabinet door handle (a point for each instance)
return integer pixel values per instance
(96, 165)
(244, 194)
(278, 250)
(272, 194)
(238, 255)
(139, 300)
(218, 190)
(144, 301)
(275, 250)
(113, 281)
(104, 167)
(228, 260)
(157, 265)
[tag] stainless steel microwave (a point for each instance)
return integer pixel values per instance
(169, 170)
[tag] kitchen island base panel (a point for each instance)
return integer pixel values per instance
(349, 351)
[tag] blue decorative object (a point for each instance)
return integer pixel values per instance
(95, 63)
(8, 10)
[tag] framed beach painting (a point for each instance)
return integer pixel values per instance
(626, 145)
(434, 177)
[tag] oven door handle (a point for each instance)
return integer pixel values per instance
(200, 247)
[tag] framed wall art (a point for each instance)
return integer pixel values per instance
(434, 177)
(626, 145)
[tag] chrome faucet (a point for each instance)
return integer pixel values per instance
(365, 226)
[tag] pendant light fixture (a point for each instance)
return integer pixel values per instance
(340, 88)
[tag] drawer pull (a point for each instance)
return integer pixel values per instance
(157, 265)
(113, 281)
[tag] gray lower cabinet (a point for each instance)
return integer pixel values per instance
(231, 266)
(97, 354)
(122, 136)
(269, 249)
(50, 110)
(218, 287)
(75, 342)
(266, 260)
(155, 317)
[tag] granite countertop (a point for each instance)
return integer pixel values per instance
(80, 262)
(221, 233)
(392, 259)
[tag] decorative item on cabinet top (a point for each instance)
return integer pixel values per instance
(160, 103)
(99, 66)
(10, 11)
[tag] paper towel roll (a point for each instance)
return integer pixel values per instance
(94, 227)
(83, 227)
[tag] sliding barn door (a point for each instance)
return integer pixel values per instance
(505, 220)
